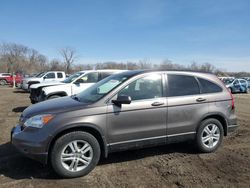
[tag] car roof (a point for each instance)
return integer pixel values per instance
(193, 73)
(104, 70)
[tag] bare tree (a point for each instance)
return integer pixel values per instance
(69, 56)
(14, 56)
(56, 65)
(145, 64)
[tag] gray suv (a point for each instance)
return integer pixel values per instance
(124, 111)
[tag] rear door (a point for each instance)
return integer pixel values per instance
(186, 106)
(143, 121)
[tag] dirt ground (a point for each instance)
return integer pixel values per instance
(176, 165)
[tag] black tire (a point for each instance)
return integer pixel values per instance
(247, 91)
(3, 82)
(53, 97)
(200, 145)
(55, 157)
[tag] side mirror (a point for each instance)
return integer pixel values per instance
(122, 99)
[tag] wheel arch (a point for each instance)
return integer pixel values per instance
(60, 93)
(220, 117)
(84, 128)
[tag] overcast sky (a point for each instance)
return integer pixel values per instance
(215, 31)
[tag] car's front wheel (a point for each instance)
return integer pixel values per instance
(75, 154)
(209, 135)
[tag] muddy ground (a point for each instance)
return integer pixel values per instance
(176, 165)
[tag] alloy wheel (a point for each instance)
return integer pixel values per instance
(210, 136)
(76, 155)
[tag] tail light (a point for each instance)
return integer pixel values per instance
(232, 97)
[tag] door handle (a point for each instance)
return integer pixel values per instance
(201, 100)
(157, 104)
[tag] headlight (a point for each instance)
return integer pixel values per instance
(38, 121)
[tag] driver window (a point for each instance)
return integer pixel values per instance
(50, 75)
(148, 87)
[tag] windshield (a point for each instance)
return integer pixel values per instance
(102, 88)
(72, 77)
(40, 74)
(228, 81)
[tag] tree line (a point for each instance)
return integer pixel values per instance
(18, 58)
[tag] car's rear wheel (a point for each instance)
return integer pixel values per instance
(209, 135)
(75, 154)
(3, 82)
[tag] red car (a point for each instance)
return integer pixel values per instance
(7, 78)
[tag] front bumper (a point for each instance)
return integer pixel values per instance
(28, 144)
(37, 96)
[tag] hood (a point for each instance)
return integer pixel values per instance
(45, 84)
(54, 106)
(31, 79)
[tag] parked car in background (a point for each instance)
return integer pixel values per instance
(7, 78)
(70, 86)
(43, 77)
(237, 85)
(226, 78)
(133, 109)
(3, 78)
(248, 81)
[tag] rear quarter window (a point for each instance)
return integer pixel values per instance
(208, 86)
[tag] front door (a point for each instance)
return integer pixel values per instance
(143, 121)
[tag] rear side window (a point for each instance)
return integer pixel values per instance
(5, 74)
(181, 85)
(59, 75)
(209, 87)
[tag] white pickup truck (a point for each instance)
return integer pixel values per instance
(72, 85)
(44, 77)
